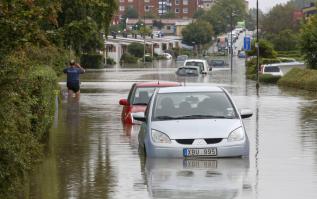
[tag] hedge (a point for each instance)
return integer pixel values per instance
(27, 109)
(92, 61)
(300, 78)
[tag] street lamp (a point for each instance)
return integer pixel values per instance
(231, 40)
(257, 45)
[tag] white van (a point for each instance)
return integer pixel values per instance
(203, 64)
(279, 69)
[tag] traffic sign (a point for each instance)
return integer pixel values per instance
(247, 43)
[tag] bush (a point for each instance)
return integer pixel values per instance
(267, 78)
(136, 49)
(300, 78)
(110, 61)
(27, 109)
(129, 59)
(266, 49)
(91, 61)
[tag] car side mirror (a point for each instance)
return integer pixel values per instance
(139, 116)
(245, 113)
(124, 102)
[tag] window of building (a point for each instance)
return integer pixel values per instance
(177, 2)
(185, 2)
(176, 10)
(130, 0)
(185, 10)
(147, 1)
(122, 1)
(121, 8)
(147, 8)
(168, 27)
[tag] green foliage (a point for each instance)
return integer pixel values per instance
(91, 61)
(266, 49)
(128, 59)
(27, 106)
(136, 49)
(270, 79)
(300, 78)
(219, 15)
(199, 32)
(110, 61)
(131, 12)
(250, 18)
(286, 40)
(308, 42)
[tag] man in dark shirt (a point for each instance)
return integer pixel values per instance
(73, 82)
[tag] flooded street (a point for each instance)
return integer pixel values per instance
(92, 155)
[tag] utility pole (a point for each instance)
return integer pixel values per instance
(144, 38)
(231, 49)
(257, 45)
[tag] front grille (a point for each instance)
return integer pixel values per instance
(213, 140)
(185, 141)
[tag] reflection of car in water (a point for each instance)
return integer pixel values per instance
(180, 60)
(196, 178)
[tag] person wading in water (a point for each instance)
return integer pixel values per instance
(73, 82)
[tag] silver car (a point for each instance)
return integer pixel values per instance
(193, 122)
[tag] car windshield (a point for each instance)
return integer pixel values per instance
(187, 71)
(194, 63)
(142, 95)
(218, 62)
(193, 105)
(272, 69)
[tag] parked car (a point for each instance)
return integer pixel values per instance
(138, 98)
(241, 54)
(217, 63)
(188, 71)
(158, 33)
(181, 58)
(202, 63)
(184, 122)
(271, 69)
(167, 55)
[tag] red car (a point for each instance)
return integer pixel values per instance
(138, 98)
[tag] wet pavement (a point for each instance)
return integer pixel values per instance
(92, 155)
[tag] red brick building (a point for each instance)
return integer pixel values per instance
(181, 8)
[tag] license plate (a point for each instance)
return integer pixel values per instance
(200, 152)
(200, 164)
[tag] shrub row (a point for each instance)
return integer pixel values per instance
(92, 61)
(300, 78)
(27, 109)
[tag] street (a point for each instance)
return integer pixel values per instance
(92, 155)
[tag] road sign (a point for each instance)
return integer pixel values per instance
(247, 43)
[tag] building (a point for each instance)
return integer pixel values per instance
(179, 8)
(309, 10)
(206, 4)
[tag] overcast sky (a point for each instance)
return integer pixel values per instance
(266, 5)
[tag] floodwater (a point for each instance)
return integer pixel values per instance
(91, 155)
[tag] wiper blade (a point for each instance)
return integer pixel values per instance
(166, 118)
(201, 117)
(140, 104)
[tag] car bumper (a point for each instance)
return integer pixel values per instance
(175, 150)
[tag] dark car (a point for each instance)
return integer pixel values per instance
(188, 71)
(217, 63)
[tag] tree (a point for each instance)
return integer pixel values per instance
(131, 12)
(199, 32)
(136, 49)
(280, 18)
(250, 18)
(219, 16)
(266, 49)
(308, 42)
(286, 40)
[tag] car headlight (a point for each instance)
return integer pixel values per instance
(159, 137)
(236, 135)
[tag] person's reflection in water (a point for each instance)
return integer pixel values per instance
(72, 116)
(197, 178)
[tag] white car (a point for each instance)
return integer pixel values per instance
(192, 122)
(202, 63)
(167, 55)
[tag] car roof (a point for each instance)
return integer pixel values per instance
(184, 89)
(157, 84)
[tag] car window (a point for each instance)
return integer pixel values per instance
(272, 69)
(142, 95)
(196, 105)
(187, 71)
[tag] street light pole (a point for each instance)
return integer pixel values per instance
(257, 44)
(231, 49)
(144, 39)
